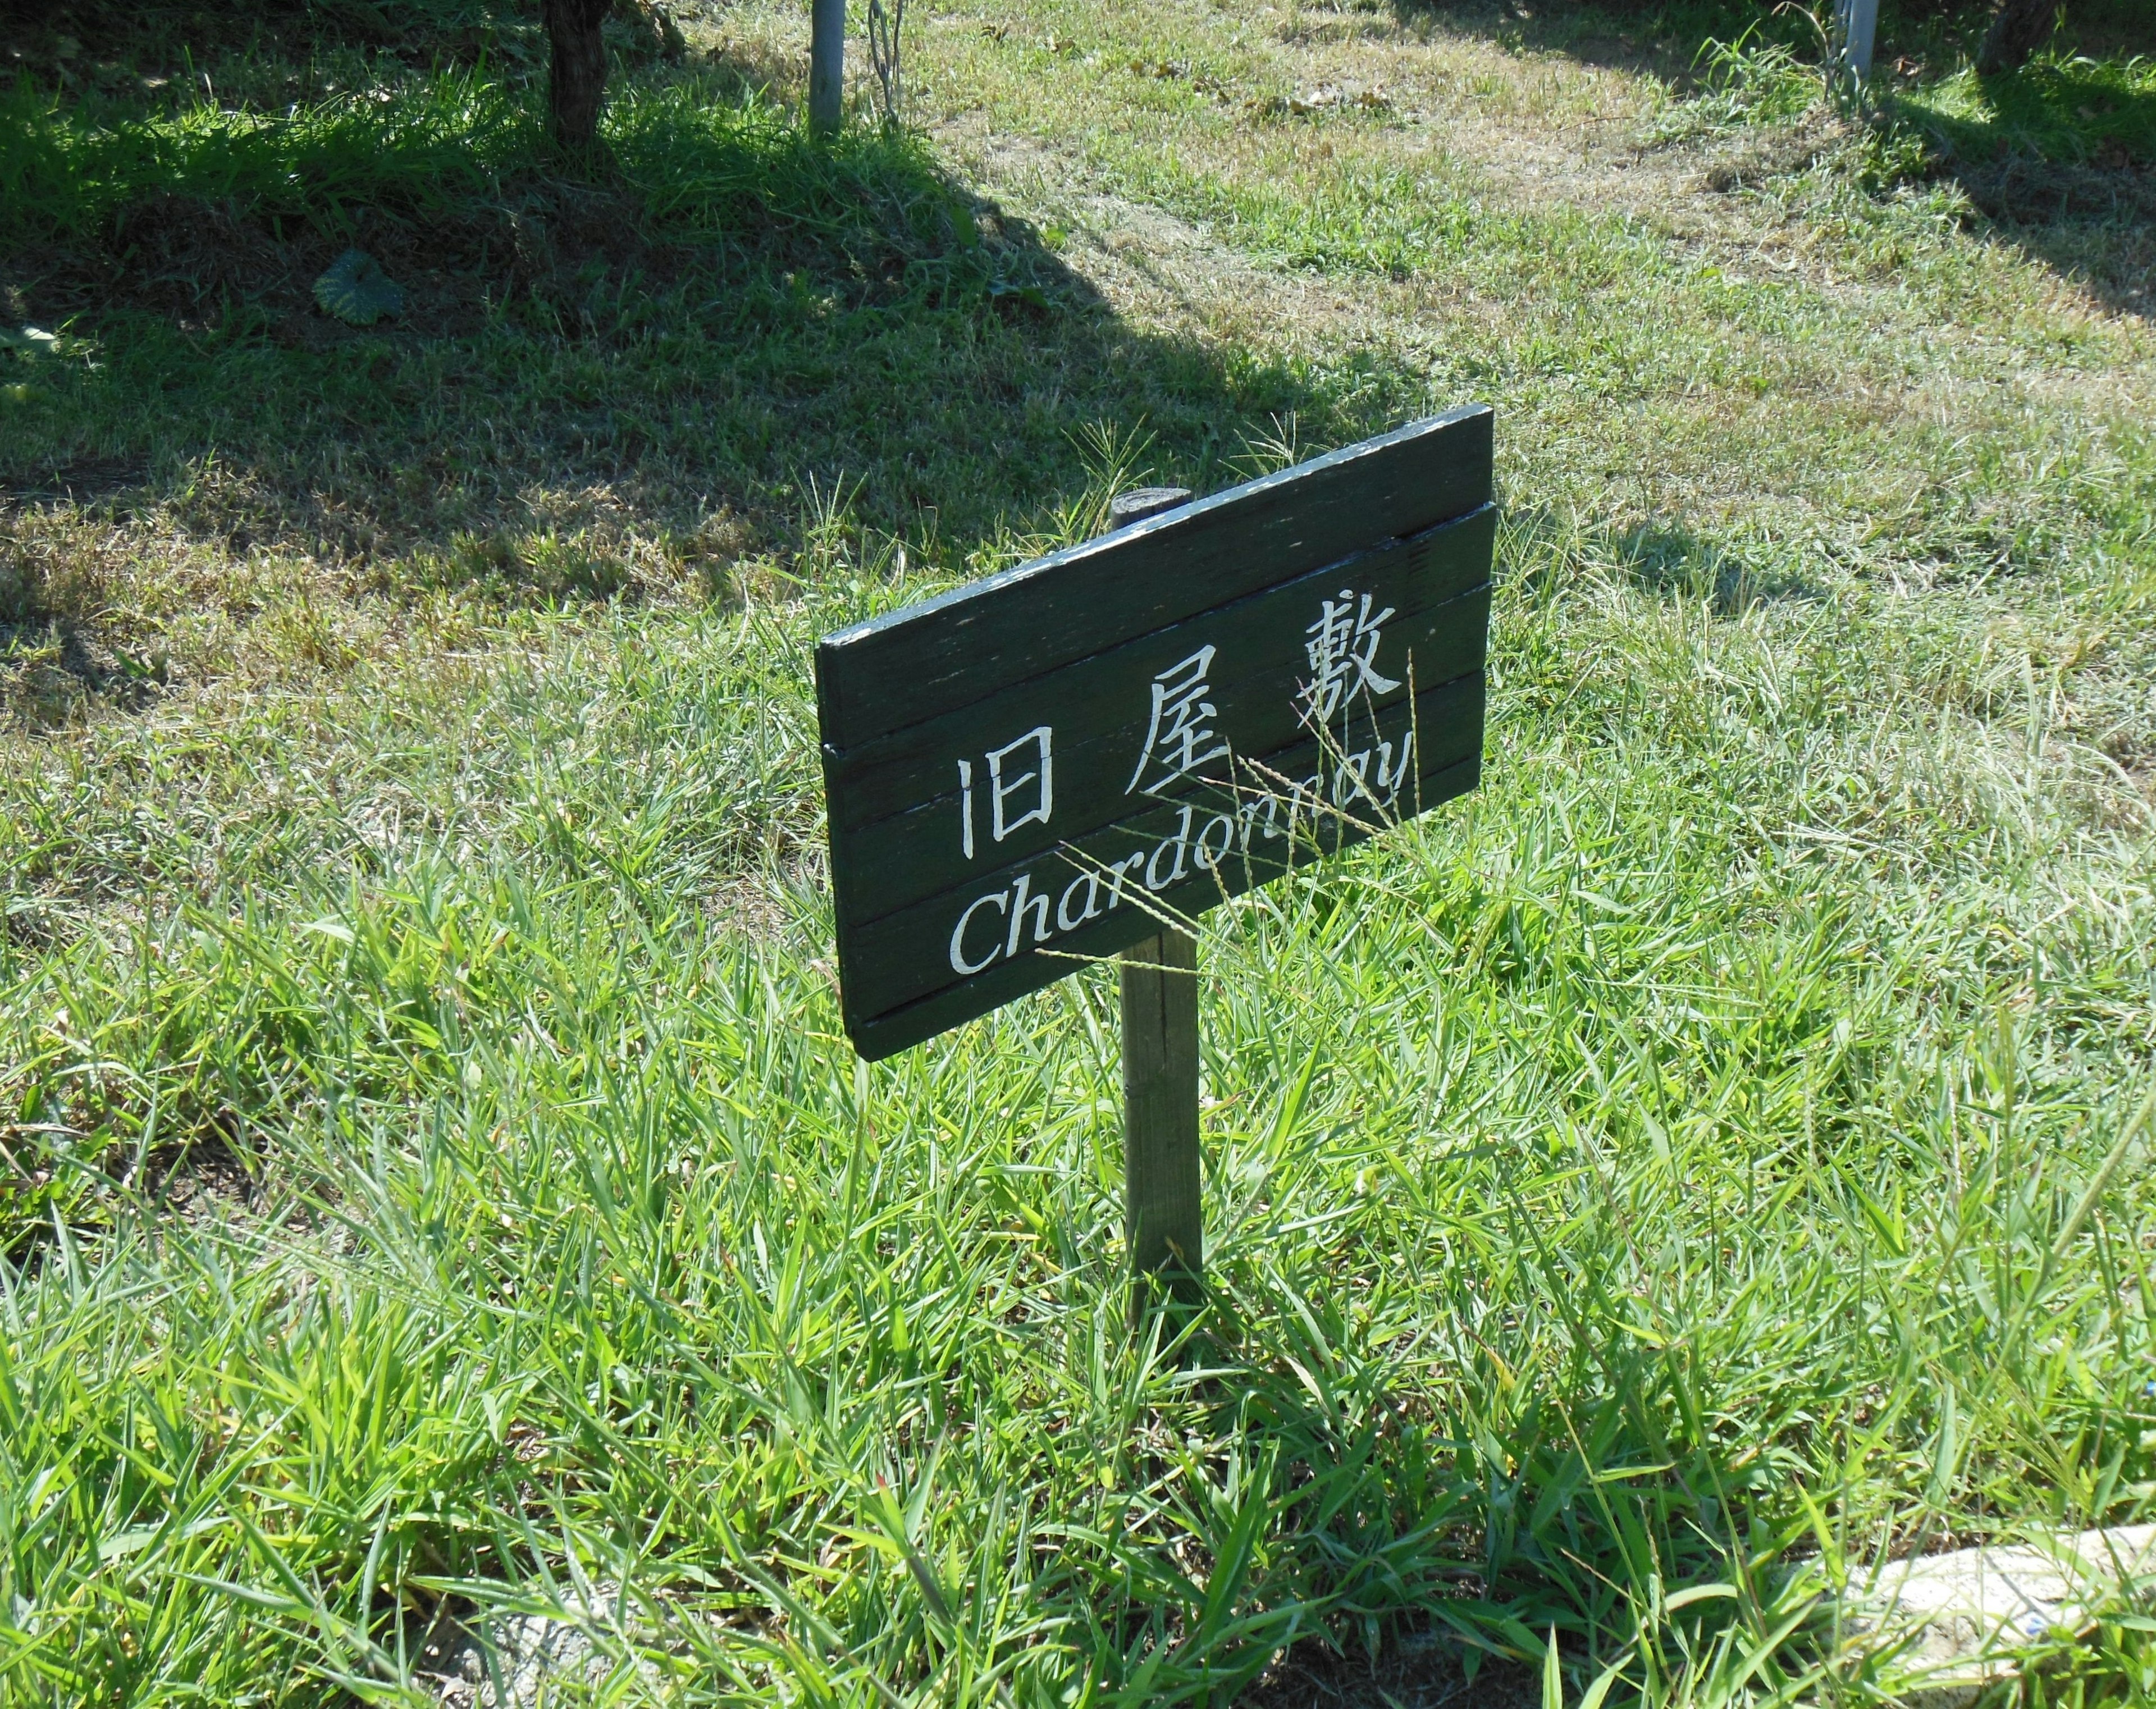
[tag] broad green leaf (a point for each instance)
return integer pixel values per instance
(356, 290)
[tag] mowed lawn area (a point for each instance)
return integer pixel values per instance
(1644, 1197)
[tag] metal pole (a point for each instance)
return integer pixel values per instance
(1163, 1205)
(1860, 27)
(827, 64)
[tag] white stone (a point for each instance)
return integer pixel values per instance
(1968, 1616)
(523, 1661)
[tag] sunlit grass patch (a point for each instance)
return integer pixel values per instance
(1573, 1157)
(2056, 107)
(69, 168)
(1750, 81)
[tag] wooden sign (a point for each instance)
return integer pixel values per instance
(1038, 769)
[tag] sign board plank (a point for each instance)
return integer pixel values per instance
(913, 784)
(1141, 727)
(1110, 891)
(954, 650)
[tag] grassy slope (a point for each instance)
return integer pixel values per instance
(1666, 1163)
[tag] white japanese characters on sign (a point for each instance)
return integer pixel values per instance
(1037, 786)
(1179, 737)
(1342, 650)
(1149, 724)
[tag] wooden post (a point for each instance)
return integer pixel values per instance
(1163, 1211)
(827, 64)
(1163, 1206)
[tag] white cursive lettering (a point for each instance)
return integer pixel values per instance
(1207, 858)
(1180, 842)
(1018, 907)
(1091, 881)
(959, 964)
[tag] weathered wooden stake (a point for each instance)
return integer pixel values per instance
(827, 64)
(1163, 1213)
(1163, 1204)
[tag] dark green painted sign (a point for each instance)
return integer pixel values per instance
(1035, 770)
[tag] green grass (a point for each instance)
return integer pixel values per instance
(2058, 107)
(1643, 1197)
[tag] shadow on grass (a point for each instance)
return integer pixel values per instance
(1671, 559)
(1421, 1671)
(1664, 558)
(731, 318)
(1668, 39)
(80, 44)
(54, 662)
(2061, 155)
(2056, 109)
(1672, 38)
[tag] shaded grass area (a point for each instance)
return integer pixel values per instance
(87, 45)
(719, 225)
(2061, 154)
(1920, 38)
(605, 389)
(1643, 1197)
